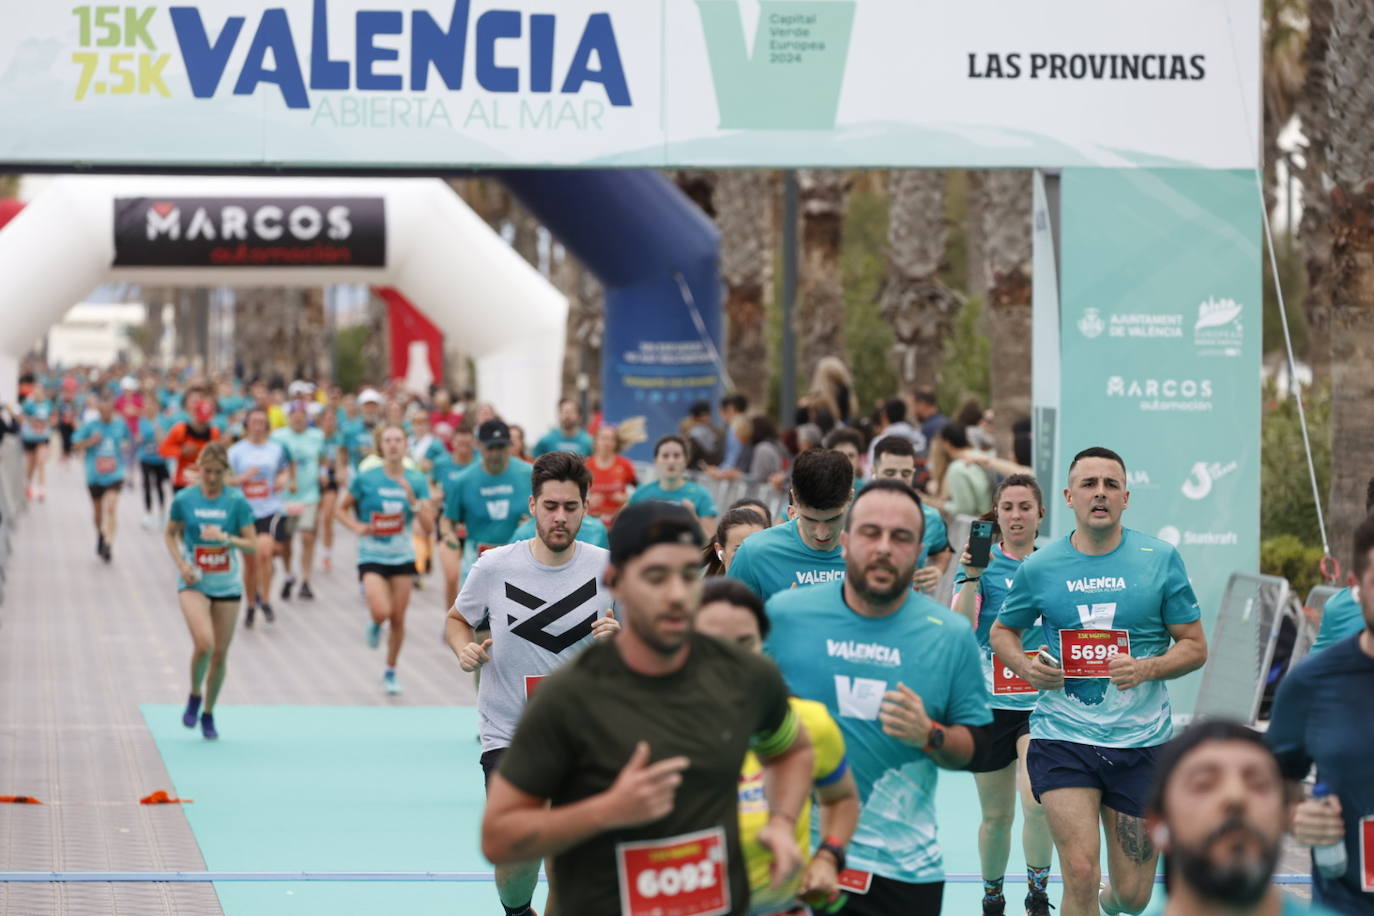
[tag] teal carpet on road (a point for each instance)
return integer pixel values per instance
(326, 788)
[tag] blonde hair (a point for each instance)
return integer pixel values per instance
(383, 427)
(833, 382)
(213, 451)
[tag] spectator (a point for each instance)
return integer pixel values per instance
(733, 407)
(517, 443)
(977, 423)
(893, 418)
(967, 489)
(832, 389)
(767, 456)
(928, 413)
(1021, 441)
(612, 476)
(703, 436)
(444, 411)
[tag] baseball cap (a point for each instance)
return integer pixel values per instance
(300, 388)
(640, 526)
(369, 396)
(494, 432)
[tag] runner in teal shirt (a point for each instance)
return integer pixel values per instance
(671, 484)
(105, 440)
(492, 497)
(308, 450)
(384, 506)
(568, 435)
(1341, 619)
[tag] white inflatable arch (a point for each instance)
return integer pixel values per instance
(475, 288)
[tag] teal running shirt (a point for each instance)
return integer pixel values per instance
(307, 450)
(217, 561)
(491, 505)
(105, 459)
(384, 505)
(1341, 619)
(702, 503)
(993, 586)
(776, 559)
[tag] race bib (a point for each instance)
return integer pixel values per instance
(1005, 682)
(38, 423)
(212, 559)
(256, 489)
(679, 876)
(483, 548)
(1367, 854)
(106, 464)
(1089, 653)
(856, 882)
(295, 508)
(384, 525)
(532, 683)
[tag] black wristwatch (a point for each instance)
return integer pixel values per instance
(936, 739)
(836, 851)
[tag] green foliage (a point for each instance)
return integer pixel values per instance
(1286, 507)
(1295, 561)
(967, 367)
(1293, 275)
(868, 338)
(350, 365)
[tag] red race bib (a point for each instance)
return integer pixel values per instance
(1089, 653)
(856, 882)
(1005, 682)
(532, 683)
(386, 525)
(256, 489)
(106, 464)
(483, 548)
(1367, 854)
(679, 876)
(212, 559)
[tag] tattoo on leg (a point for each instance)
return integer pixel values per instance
(1135, 842)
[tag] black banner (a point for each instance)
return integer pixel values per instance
(249, 232)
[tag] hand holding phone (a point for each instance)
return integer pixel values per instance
(980, 544)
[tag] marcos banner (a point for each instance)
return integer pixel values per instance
(452, 83)
(1160, 349)
(249, 232)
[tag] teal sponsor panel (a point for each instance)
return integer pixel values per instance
(1160, 343)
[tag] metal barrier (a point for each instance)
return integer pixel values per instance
(12, 501)
(1307, 634)
(1241, 647)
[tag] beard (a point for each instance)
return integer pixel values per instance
(1242, 882)
(644, 629)
(564, 538)
(901, 582)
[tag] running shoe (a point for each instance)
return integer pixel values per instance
(286, 588)
(306, 593)
(100, 546)
(248, 616)
(149, 522)
(994, 906)
(374, 635)
(390, 683)
(105, 552)
(42, 494)
(267, 613)
(207, 726)
(1038, 904)
(188, 718)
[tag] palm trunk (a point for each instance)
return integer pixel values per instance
(1315, 229)
(915, 302)
(1349, 61)
(820, 308)
(586, 325)
(282, 333)
(744, 204)
(1006, 229)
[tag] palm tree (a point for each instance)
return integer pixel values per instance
(1315, 230)
(1284, 39)
(820, 282)
(745, 213)
(1350, 159)
(919, 307)
(283, 332)
(586, 322)
(1006, 229)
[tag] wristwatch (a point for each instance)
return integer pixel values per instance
(835, 849)
(936, 739)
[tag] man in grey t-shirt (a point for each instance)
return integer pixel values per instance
(546, 599)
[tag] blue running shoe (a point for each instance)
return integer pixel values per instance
(374, 635)
(188, 718)
(207, 726)
(389, 682)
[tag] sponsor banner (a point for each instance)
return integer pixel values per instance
(1045, 367)
(249, 232)
(425, 83)
(1161, 355)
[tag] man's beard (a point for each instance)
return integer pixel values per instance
(901, 583)
(544, 537)
(1234, 882)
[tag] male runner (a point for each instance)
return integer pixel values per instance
(1111, 600)
(104, 440)
(307, 449)
(490, 498)
(902, 676)
(1342, 616)
(625, 765)
(805, 550)
(895, 459)
(546, 600)
(447, 469)
(1322, 716)
(849, 443)
(670, 484)
(358, 432)
(569, 435)
(187, 437)
(1217, 814)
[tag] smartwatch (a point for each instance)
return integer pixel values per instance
(936, 739)
(832, 846)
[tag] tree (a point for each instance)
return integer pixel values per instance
(1006, 225)
(745, 212)
(1315, 230)
(915, 301)
(820, 286)
(1350, 158)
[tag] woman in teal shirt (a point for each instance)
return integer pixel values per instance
(208, 526)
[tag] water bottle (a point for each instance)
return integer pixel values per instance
(1330, 860)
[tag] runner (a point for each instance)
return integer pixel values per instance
(732, 613)
(187, 437)
(333, 469)
(895, 459)
(735, 525)
(209, 524)
(34, 431)
(358, 432)
(490, 498)
(306, 447)
(612, 476)
(546, 600)
(902, 677)
(1321, 717)
(625, 765)
(386, 500)
(591, 532)
(1000, 767)
(671, 484)
(568, 435)
(152, 429)
(1217, 814)
(805, 550)
(1109, 600)
(103, 440)
(1342, 616)
(261, 468)
(849, 443)
(446, 473)
(68, 415)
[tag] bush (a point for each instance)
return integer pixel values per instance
(1295, 561)
(350, 366)
(1286, 506)
(967, 368)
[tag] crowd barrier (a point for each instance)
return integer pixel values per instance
(12, 501)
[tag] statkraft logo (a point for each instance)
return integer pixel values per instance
(399, 51)
(1174, 536)
(1218, 330)
(1089, 584)
(1163, 394)
(1204, 475)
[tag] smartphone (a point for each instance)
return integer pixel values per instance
(1046, 658)
(980, 544)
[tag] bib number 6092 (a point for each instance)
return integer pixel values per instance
(670, 881)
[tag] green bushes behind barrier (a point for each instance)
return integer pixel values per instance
(1297, 562)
